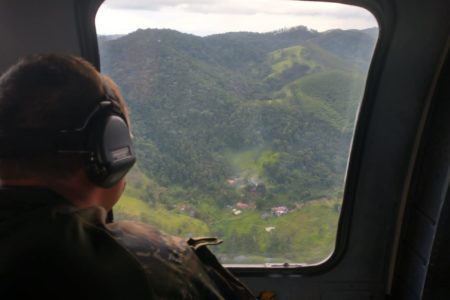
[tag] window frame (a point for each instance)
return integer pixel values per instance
(384, 15)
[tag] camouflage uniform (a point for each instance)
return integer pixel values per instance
(52, 250)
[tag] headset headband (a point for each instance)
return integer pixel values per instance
(103, 139)
(19, 142)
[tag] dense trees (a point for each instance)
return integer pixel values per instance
(194, 99)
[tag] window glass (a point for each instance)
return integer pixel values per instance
(243, 114)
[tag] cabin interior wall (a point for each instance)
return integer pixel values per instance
(28, 27)
(391, 116)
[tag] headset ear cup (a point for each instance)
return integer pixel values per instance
(111, 154)
(94, 168)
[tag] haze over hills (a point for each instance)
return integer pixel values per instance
(264, 120)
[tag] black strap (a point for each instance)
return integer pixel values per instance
(38, 142)
(227, 284)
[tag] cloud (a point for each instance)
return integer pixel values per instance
(204, 17)
(150, 5)
(285, 7)
(271, 7)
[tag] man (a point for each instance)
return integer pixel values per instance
(65, 150)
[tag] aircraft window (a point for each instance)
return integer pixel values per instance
(243, 114)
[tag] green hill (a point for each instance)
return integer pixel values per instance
(260, 119)
(177, 224)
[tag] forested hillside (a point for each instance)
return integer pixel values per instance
(241, 135)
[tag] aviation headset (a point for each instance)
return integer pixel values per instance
(104, 141)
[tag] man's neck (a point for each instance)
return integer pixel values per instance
(77, 189)
(71, 189)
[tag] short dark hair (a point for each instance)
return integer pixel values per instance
(48, 91)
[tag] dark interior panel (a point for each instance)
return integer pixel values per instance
(393, 237)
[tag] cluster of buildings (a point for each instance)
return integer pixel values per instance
(279, 211)
(276, 211)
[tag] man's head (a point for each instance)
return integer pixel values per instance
(50, 93)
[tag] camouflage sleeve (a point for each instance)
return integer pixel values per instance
(173, 268)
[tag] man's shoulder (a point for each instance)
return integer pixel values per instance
(146, 241)
(180, 267)
(167, 260)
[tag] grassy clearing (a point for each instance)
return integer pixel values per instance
(168, 221)
(282, 58)
(305, 235)
(310, 55)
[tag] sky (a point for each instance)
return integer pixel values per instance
(206, 17)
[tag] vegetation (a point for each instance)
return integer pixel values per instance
(241, 135)
(178, 224)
